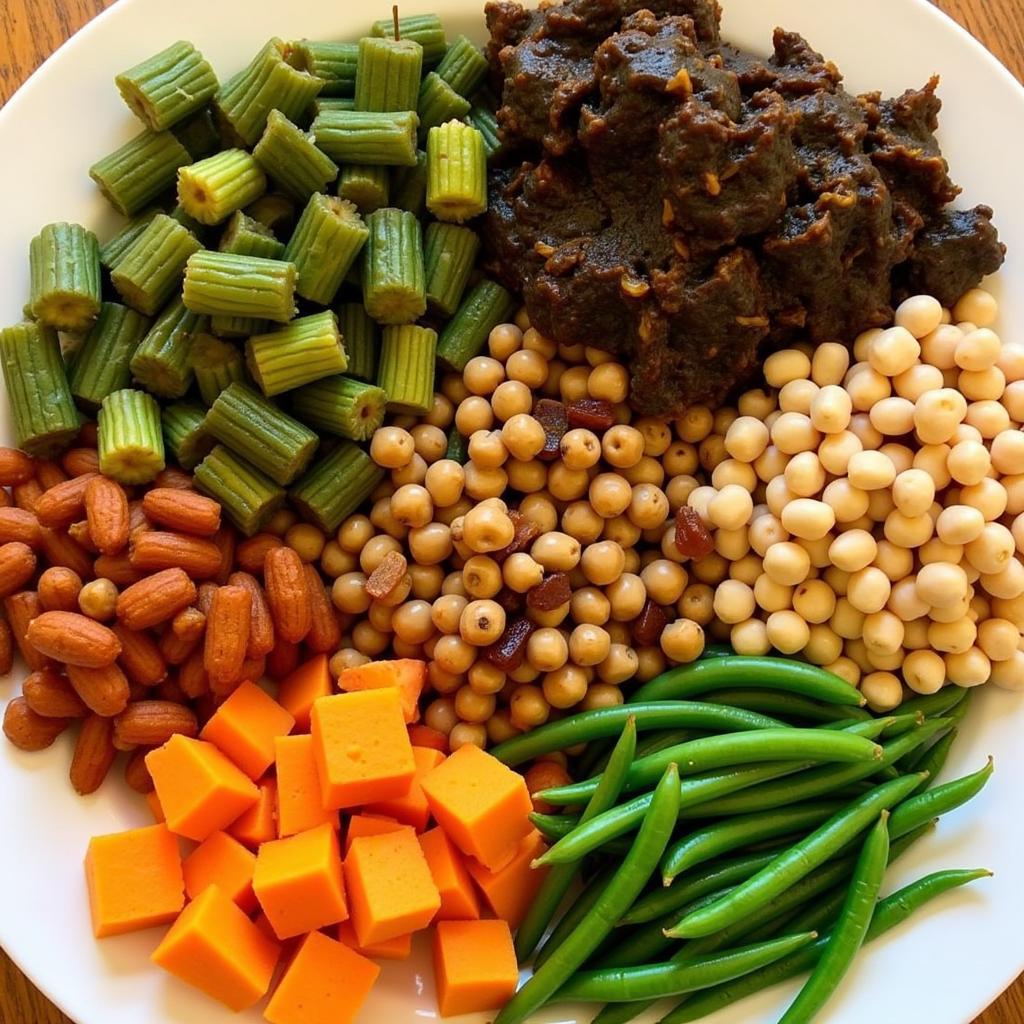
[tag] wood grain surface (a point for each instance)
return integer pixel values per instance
(32, 29)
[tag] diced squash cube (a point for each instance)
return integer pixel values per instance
(259, 823)
(398, 948)
(459, 900)
(412, 808)
(224, 862)
(300, 803)
(474, 966)
(302, 687)
(153, 802)
(510, 890)
(369, 825)
(407, 675)
(245, 726)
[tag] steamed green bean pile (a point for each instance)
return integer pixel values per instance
(753, 848)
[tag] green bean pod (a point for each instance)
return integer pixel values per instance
(933, 759)
(938, 704)
(786, 705)
(917, 810)
(577, 910)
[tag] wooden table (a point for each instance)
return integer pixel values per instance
(33, 29)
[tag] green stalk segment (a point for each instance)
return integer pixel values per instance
(483, 119)
(64, 272)
(342, 406)
(394, 291)
(246, 236)
(212, 189)
(42, 410)
(449, 255)
(365, 187)
(368, 137)
(409, 185)
(258, 431)
(322, 104)
(289, 156)
(162, 362)
(456, 172)
(216, 364)
(111, 251)
(221, 283)
(425, 29)
(463, 67)
(140, 171)
(333, 63)
(185, 437)
(186, 220)
(248, 496)
(270, 82)
(198, 134)
(102, 362)
(359, 334)
(464, 336)
(131, 443)
(169, 86)
(388, 73)
(275, 211)
(438, 102)
(304, 350)
(407, 368)
(336, 486)
(150, 272)
(328, 238)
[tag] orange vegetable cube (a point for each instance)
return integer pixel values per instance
(259, 823)
(326, 983)
(304, 685)
(362, 750)
(390, 887)
(245, 726)
(216, 948)
(398, 948)
(300, 804)
(199, 789)
(459, 901)
(298, 882)
(510, 890)
(153, 802)
(474, 966)
(407, 675)
(424, 736)
(134, 880)
(412, 808)
(369, 825)
(225, 863)
(481, 803)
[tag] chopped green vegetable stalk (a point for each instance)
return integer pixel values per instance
(140, 171)
(407, 367)
(244, 102)
(102, 362)
(221, 283)
(388, 73)
(131, 443)
(438, 102)
(368, 137)
(464, 336)
(257, 430)
(169, 86)
(186, 220)
(198, 134)
(456, 172)
(425, 29)
(64, 271)
(289, 156)
(275, 211)
(463, 67)
(42, 410)
(366, 187)
(246, 236)
(449, 254)
(248, 496)
(324, 103)
(409, 186)
(162, 362)
(342, 406)
(305, 350)
(185, 436)
(336, 486)
(393, 287)
(359, 336)
(216, 364)
(112, 250)
(328, 238)
(483, 119)
(457, 447)
(333, 63)
(212, 189)
(150, 272)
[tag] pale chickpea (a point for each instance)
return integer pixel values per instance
(392, 447)
(1009, 674)
(893, 351)
(797, 396)
(730, 508)
(734, 601)
(853, 550)
(411, 505)
(353, 533)
(785, 365)
(732, 545)
(467, 734)
(793, 432)
(908, 531)
(982, 385)
(511, 398)
(905, 602)
(835, 451)
(610, 494)
(603, 562)
(893, 416)
(622, 446)
(837, 579)
(823, 646)
(757, 402)
(999, 639)
(883, 691)
(932, 459)
(952, 637)
(883, 632)
(746, 438)
(913, 383)
(1006, 584)
(710, 569)
(440, 715)
(482, 622)
(787, 632)
(976, 305)
(938, 348)
(620, 665)
(770, 464)
(847, 621)
(528, 366)
(504, 340)
(814, 601)
(866, 387)
(787, 563)
(849, 504)
(452, 584)
(682, 640)
(750, 638)
(579, 520)
(845, 668)
(829, 364)
(805, 475)
(895, 561)
(990, 552)
(868, 590)
(778, 495)
(732, 471)
(863, 429)
(1011, 361)
(609, 381)
(978, 350)
(766, 530)
(919, 314)
(870, 470)
(771, 596)
(968, 668)
(697, 603)
(937, 415)
(808, 519)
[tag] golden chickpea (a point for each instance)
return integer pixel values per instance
(695, 424)
(787, 632)
(564, 686)
(467, 734)
(353, 533)
(682, 640)
(528, 366)
(334, 560)
(746, 569)
(601, 695)
(992, 550)
(382, 518)
(712, 451)
(567, 484)
(731, 471)
(770, 463)
(815, 602)
(797, 396)
(520, 572)
(348, 593)
(522, 436)
(281, 521)
(446, 613)
(579, 520)
(732, 545)
(588, 644)
(452, 654)
(680, 458)
(414, 473)
(656, 433)
(648, 506)
(98, 599)
(829, 364)
(411, 505)
(750, 638)
(482, 374)
(486, 528)
(482, 622)
(589, 605)
(609, 381)
(547, 650)
(620, 665)
(556, 551)
(486, 449)
(369, 640)
(472, 706)
(540, 509)
(968, 668)
(772, 596)
(511, 398)
(733, 602)
(504, 340)
(481, 576)
(603, 562)
(696, 604)
(764, 531)
(622, 446)
(346, 657)
(431, 544)
(444, 482)
(787, 563)
(627, 595)
(392, 447)
(430, 442)
(441, 413)
(883, 691)
(412, 622)
(580, 449)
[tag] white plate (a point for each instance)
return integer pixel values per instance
(943, 968)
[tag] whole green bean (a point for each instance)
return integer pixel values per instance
(786, 705)
(558, 880)
(739, 670)
(938, 704)
(626, 817)
(576, 912)
(740, 832)
(916, 810)
(733, 749)
(627, 883)
(717, 651)
(793, 864)
(933, 759)
(603, 722)
(890, 912)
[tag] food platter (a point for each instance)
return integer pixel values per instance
(946, 967)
